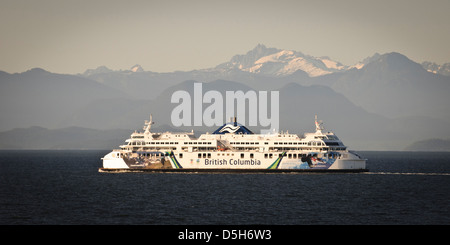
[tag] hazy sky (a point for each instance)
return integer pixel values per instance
(70, 36)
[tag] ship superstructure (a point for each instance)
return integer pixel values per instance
(234, 146)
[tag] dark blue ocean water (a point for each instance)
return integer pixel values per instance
(65, 187)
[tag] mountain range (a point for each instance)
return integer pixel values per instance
(385, 102)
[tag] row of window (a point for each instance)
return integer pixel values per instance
(242, 155)
(167, 143)
(233, 143)
(251, 155)
(299, 143)
(270, 155)
(197, 143)
(244, 143)
(294, 149)
(208, 155)
(294, 155)
(159, 154)
(153, 143)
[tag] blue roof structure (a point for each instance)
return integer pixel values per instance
(234, 128)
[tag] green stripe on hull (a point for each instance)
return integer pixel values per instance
(174, 160)
(277, 162)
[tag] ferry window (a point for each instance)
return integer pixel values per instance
(209, 155)
(265, 155)
(266, 143)
(294, 155)
(276, 143)
(270, 155)
(242, 155)
(204, 155)
(289, 155)
(199, 155)
(181, 155)
(251, 155)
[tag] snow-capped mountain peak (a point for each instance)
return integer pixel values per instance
(137, 68)
(278, 62)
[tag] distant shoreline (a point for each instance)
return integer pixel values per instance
(430, 145)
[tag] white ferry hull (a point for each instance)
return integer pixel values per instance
(230, 161)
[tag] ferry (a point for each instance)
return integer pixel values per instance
(233, 148)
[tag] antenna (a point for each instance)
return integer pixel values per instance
(319, 124)
(148, 124)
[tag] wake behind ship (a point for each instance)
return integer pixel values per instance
(233, 148)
